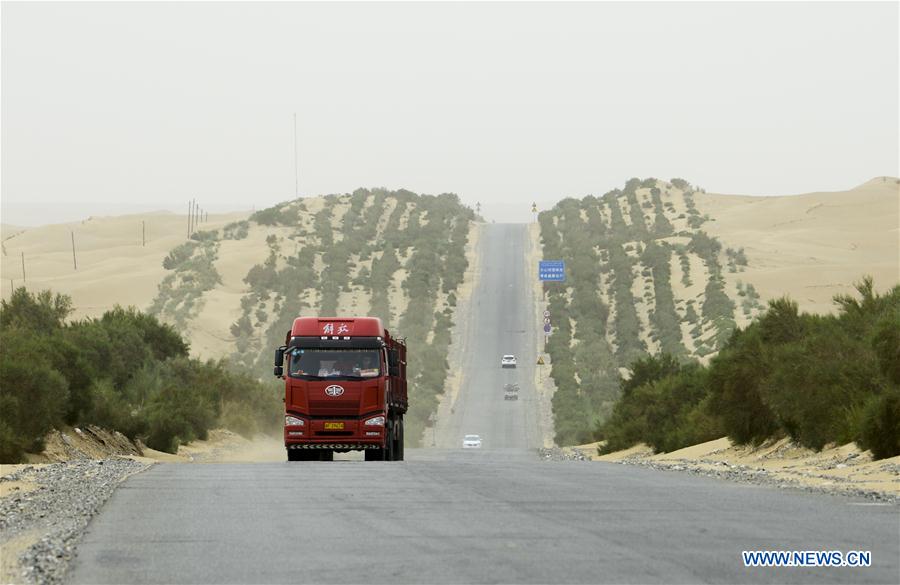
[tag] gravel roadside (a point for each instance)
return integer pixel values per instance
(42, 526)
(758, 476)
(735, 472)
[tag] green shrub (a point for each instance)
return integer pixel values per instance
(886, 343)
(179, 255)
(813, 382)
(663, 404)
(237, 230)
(205, 236)
(735, 377)
(42, 312)
(124, 371)
(35, 395)
(880, 431)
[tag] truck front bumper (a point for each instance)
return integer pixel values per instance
(335, 446)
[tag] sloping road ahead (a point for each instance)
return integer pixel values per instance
(500, 320)
(498, 515)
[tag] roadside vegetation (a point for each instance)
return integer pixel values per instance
(124, 371)
(816, 379)
(395, 255)
(193, 272)
(641, 240)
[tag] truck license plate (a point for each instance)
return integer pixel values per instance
(334, 426)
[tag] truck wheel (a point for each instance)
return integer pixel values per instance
(296, 455)
(389, 451)
(326, 455)
(399, 449)
(374, 454)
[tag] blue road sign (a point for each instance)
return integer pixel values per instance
(552, 270)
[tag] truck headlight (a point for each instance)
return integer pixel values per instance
(378, 421)
(293, 421)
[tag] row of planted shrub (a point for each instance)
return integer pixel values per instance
(586, 359)
(818, 379)
(123, 371)
(435, 262)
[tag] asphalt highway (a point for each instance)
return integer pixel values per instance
(500, 321)
(494, 515)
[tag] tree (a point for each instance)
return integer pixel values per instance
(42, 312)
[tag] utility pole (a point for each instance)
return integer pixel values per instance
(23, 269)
(190, 207)
(143, 234)
(74, 261)
(296, 162)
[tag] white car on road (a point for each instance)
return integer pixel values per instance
(471, 442)
(508, 361)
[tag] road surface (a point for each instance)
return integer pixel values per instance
(495, 515)
(500, 321)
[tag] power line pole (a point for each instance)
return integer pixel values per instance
(143, 234)
(23, 269)
(74, 261)
(190, 207)
(296, 161)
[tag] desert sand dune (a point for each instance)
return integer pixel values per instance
(811, 246)
(113, 266)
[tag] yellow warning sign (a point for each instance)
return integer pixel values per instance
(540, 361)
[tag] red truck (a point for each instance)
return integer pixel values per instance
(344, 389)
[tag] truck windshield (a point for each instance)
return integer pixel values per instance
(335, 363)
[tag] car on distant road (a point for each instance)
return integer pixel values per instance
(471, 442)
(508, 361)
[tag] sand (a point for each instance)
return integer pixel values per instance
(113, 267)
(10, 572)
(641, 285)
(543, 383)
(462, 329)
(839, 468)
(811, 246)
(18, 486)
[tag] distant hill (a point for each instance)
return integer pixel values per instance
(811, 246)
(390, 254)
(235, 286)
(663, 266)
(113, 265)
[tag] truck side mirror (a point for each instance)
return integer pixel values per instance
(394, 370)
(279, 361)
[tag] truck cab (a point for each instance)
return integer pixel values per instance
(345, 389)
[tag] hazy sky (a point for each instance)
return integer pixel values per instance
(109, 108)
